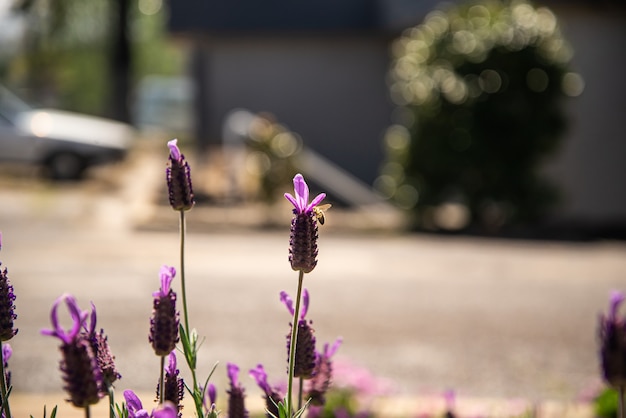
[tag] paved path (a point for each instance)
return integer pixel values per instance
(488, 318)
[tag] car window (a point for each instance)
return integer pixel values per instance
(11, 105)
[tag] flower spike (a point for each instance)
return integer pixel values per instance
(612, 337)
(165, 318)
(236, 404)
(178, 176)
(303, 237)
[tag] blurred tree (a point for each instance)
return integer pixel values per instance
(86, 56)
(479, 86)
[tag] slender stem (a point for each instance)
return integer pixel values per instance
(3, 386)
(111, 401)
(182, 229)
(292, 344)
(197, 394)
(622, 404)
(87, 412)
(162, 381)
(300, 393)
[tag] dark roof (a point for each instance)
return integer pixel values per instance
(288, 16)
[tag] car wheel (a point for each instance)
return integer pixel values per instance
(65, 166)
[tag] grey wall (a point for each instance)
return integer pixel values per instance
(591, 168)
(331, 91)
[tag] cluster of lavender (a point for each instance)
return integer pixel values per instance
(612, 336)
(88, 367)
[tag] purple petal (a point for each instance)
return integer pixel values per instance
(233, 372)
(167, 275)
(260, 377)
(132, 401)
(171, 367)
(166, 410)
(616, 300)
(174, 151)
(292, 199)
(318, 199)
(75, 313)
(302, 192)
(305, 304)
(7, 351)
(212, 393)
(92, 325)
(286, 300)
(330, 351)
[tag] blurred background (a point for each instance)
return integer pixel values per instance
(481, 117)
(430, 125)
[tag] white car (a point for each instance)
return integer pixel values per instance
(65, 144)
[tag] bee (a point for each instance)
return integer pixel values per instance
(319, 212)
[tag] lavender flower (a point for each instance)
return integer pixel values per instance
(320, 382)
(82, 376)
(102, 351)
(303, 238)
(135, 408)
(272, 396)
(305, 341)
(236, 406)
(178, 175)
(173, 385)
(209, 400)
(165, 319)
(7, 352)
(612, 334)
(7, 307)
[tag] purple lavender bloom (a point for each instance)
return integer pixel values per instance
(612, 335)
(178, 175)
(236, 405)
(173, 385)
(321, 381)
(81, 374)
(272, 395)
(303, 237)
(165, 319)
(305, 342)
(135, 408)
(7, 306)
(102, 351)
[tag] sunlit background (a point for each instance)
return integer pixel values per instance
(422, 121)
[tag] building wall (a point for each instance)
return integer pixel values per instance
(331, 91)
(591, 166)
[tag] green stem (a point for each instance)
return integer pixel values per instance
(622, 403)
(182, 270)
(292, 345)
(3, 386)
(300, 393)
(111, 393)
(162, 381)
(197, 395)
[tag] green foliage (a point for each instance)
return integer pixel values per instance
(479, 86)
(66, 59)
(53, 413)
(606, 404)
